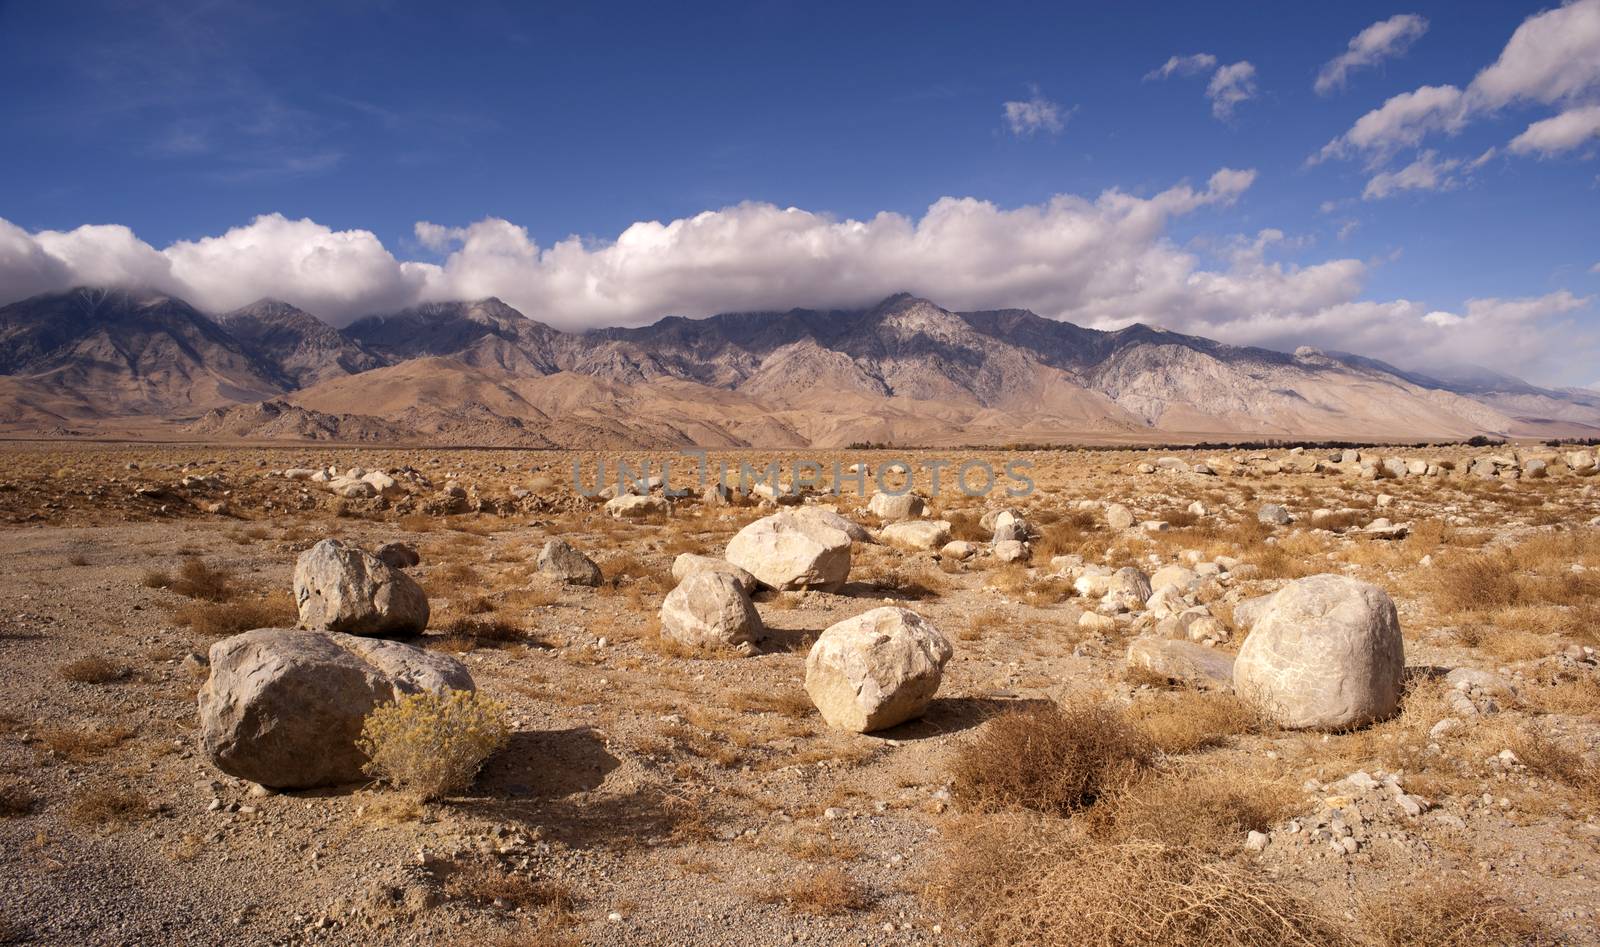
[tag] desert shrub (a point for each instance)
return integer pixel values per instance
(826, 892)
(1193, 720)
(220, 619)
(104, 804)
(432, 745)
(1200, 808)
(92, 669)
(486, 882)
(1050, 758)
(15, 799)
(195, 579)
(1024, 880)
(1449, 912)
(485, 631)
(81, 745)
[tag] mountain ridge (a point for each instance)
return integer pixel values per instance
(904, 370)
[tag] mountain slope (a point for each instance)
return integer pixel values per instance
(129, 354)
(303, 348)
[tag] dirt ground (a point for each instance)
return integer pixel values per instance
(653, 797)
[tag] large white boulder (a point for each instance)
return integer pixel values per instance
(689, 563)
(283, 707)
(916, 534)
(831, 518)
(345, 589)
(1324, 654)
(788, 551)
(632, 507)
(876, 670)
(709, 610)
(890, 507)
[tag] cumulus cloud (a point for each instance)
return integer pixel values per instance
(1427, 173)
(1402, 120)
(1036, 114)
(1105, 261)
(1182, 66)
(1382, 40)
(1229, 85)
(1552, 57)
(1562, 133)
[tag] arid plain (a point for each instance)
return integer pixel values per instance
(1085, 773)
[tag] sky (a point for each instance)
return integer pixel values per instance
(1416, 182)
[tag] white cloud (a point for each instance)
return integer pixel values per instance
(1230, 85)
(1036, 114)
(1182, 66)
(1562, 133)
(1402, 120)
(1552, 57)
(1105, 261)
(1382, 40)
(1427, 173)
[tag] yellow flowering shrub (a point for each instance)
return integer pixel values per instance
(432, 745)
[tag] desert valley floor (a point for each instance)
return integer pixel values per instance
(653, 795)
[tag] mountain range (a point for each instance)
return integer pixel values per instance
(904, 372)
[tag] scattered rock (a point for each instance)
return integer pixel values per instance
(345, 589)
(633, 507)
(787, 551)
(876, 670)
(916, 534)
(1193, 664)
(709, 610)
(689, 564)
(560, 560)
(399, 555)
(1274, 515)
(1119, 516)
(890, 507)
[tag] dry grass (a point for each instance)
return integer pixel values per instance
(1050, 758)
(1025, 881)
(1187, 720)
(221, 619)
(79, 746)
(107, 805)
(827, 892)
(195, 579)
(488, 883)
(16, 799)
(1203, 808)
(92, 669)
(1447, 912)
(484, 632)
(792, 703)
(1567, 766)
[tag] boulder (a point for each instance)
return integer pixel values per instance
(1129, 585)
(398, 555)
(1009, 525)
(831, 518)
(1011, 550)
(382, 482)
(958, 549)
(916, 534)
(633, 507)
(991, 519)
(1274, 515)
(1206, 628)
(1247, 612)
(890, 507)
(1324, 654)
(788, 551)
(283, 707)
(345, 589)
(1118, 516)
(709, 610)
(560, 560)
(1167, 600)
(1175, 575)
(689, 564)
(876, 670)
(353, 489)
(1193, 664)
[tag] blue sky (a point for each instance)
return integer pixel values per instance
(510, 128)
